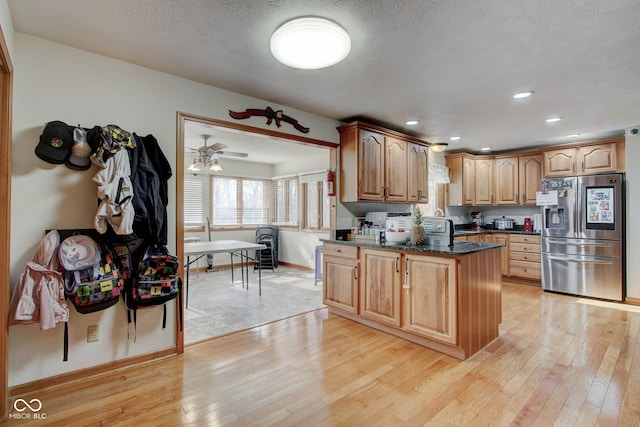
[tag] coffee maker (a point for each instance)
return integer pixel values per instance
(477, 221)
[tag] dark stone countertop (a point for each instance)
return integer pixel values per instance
(459, 248)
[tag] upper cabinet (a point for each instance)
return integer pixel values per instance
(462, 180)
(517, 179)
(418, 173)
(604, 157)
(484, 181)
(380, 165)
(471, 180)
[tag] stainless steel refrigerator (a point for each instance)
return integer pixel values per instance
(583, 236)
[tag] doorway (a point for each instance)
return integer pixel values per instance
(252, 153)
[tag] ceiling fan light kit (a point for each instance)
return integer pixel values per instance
(310, 43)
(208, 156)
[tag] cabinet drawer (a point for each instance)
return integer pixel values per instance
(524, 269)
(344, 251)
(525, 247)
(524, 238)
(525, 256)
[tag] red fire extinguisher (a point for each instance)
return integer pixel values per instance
(330, 179)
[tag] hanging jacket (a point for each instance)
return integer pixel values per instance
(151, 200)
(38, 296)
(115, 193)
(163, 169)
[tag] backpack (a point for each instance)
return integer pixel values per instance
(154, 281)
(92, 279)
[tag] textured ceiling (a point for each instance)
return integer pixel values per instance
(451, 64)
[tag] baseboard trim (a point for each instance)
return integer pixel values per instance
(92, 372)
(632, 301)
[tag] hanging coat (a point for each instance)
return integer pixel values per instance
(38, 296)
(115, 193)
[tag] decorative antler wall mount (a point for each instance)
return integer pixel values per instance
(271, 115)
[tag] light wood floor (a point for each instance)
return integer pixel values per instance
(557, 362)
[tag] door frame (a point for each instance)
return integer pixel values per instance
(180, 127)
(6, 99)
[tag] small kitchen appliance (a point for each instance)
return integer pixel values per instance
(477, 221)
(438, 231)
(504, 223)
(528, 227)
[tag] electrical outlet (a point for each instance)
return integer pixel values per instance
(92, 333)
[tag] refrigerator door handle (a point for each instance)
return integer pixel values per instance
(594, 260)
(580, 243)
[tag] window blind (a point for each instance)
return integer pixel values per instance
(193, 201)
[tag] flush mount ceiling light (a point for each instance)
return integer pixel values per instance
(553, 119)
(573, 135)
(454, 138)
(310, 43)
(411, 122)
(520, 95)
(485, 149)
(438, 147)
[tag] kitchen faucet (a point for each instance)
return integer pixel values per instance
(435, 213)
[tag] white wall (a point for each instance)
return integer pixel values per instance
(55, 82)
(632, 148)
(7, 25)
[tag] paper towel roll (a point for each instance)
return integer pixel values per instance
(537, 222)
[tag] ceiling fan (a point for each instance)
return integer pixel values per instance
(208, 155)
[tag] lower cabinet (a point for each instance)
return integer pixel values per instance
(429, 297)
(503, 239)
(380, 286)
(340, 273)
(524, 257)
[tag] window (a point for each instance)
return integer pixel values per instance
(316, 202)
(194, 202)
(238, 201)
(284, 202)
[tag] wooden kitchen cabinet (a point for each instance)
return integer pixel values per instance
(584, 159)
(503, 239)
(417, 173)
(517, 179)
(524, 256)
(395, 170)
(375, 164)
(462, 176)
(340, 272)
(483, 181)
(429, 297)
(380, 286)
(529, 175)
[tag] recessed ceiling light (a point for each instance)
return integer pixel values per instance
(454, 138)
(573, 135)
(553, 119)
(485, 149)
(411, 122)
(310, 43)
(521, 95)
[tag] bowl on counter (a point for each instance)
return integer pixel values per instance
(397, 237)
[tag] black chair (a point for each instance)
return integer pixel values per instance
(267, 258)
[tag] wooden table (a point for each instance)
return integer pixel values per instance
(234, 248)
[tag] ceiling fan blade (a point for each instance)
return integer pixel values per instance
(232, 153)
(216, 147)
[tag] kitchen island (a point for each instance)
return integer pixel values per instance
(447, 298)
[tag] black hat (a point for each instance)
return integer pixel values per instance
(55, 142)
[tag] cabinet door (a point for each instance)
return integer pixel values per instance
(530, 174)
(503, 239)
(506, 181)
(380, 286)
(395, 170)
(371, 166)
(484, 181)
(598, 158)
(429, 297)
(468, 181)
(340, 284)
(560, 162)
(418, 173)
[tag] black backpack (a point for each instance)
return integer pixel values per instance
(154, 281)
